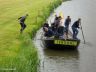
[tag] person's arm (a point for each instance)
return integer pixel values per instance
(19, 18)
(78, 26)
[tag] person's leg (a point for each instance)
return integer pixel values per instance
(76, 33)
(21, 27)
(73, 29)
(66, 31)
(24, 26)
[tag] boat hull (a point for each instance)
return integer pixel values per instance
(61, 43)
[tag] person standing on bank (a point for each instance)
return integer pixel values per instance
(22, 20)
(75, 27)
(67, 22)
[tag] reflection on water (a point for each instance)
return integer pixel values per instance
(61, 53)
(59, 61)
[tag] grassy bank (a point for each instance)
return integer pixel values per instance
(17, 53)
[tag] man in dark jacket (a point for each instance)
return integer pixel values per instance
(22, 20)
(75, 27)
(67, 22)
(48, 32)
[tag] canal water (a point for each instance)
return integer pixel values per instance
(84, 58)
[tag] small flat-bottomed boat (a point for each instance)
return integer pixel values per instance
(61, 43)
(62, 36)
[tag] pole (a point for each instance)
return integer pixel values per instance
(82, 33)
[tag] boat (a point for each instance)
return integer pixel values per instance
(59, 43)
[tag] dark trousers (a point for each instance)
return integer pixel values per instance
(75, 32)
(66, 29)
(23, 26)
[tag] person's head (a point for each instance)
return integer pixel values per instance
(56, 17)
(79, 19)
(60, 17)
(46, 24)
(45, 29)
(68, 16)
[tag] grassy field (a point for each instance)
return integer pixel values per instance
(17, 52)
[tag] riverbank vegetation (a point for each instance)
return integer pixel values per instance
(17, 52)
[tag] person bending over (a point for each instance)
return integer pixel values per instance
(22, 20)
(75, 27)
(48, 32)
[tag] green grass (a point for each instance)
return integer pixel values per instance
(16, 50)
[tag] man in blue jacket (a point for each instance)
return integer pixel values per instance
(75, 27)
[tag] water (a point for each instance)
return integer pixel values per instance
(82, 60)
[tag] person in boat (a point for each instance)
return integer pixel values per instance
(75, 27)
(22, 20)
(67, 22)
(56, 18)
(48, 32)
(45, 25)
(57, 21)
(60, 32)
(53, 27)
